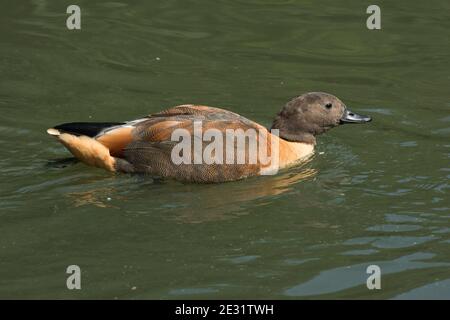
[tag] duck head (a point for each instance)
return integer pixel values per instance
(311, 114)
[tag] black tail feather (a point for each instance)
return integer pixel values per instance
(90, 129)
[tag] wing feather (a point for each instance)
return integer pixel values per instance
(151, 147)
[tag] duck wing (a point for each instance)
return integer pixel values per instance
(150, 150)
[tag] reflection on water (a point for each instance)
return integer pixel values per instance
(439, 290)
(213, 205)
(374, 194)
(354, 275)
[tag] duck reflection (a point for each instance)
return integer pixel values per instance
(95, 197)
(226, 201)
(189, 203)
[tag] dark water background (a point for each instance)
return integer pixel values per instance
(373, 194)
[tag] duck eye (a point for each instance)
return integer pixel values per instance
(328, 105)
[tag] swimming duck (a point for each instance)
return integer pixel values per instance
(152, 144)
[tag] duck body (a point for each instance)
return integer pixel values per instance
(188, 143)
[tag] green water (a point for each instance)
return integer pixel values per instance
(373, 194)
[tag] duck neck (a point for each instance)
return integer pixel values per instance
(292, 135)
(292, 151)
(298, 137)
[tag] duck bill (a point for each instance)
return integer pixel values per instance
(351, 117)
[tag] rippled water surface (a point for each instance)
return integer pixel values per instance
(372, 194)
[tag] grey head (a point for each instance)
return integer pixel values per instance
(311, 114)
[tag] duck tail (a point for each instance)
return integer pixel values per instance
(90, 129)
(80, 138)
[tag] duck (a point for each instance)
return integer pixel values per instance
(172, 144)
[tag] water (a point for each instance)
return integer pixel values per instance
(372, 194)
